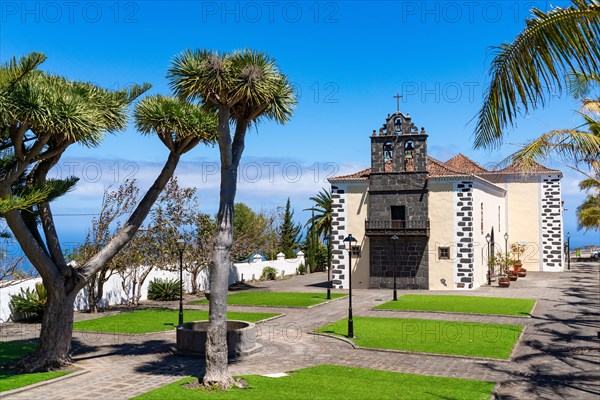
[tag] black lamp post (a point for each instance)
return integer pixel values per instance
(394, 240)
(487, 239)
(506, 244)
(181, 248)
(350, 239)
(328, 242)
(569, 251)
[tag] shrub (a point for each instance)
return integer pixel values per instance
(163, 289)
(268, 274)
(301, 268)
(31, 302)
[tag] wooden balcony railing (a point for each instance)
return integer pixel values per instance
(398, 227)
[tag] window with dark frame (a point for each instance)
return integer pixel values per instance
(398, 213)
(444, 253)
(355, 251)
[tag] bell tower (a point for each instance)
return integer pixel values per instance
(398, 204)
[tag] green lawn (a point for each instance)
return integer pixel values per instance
(156, 320)
(461, 304)
(275, 299)
(329, 382)
(431, 336)
(14, 351)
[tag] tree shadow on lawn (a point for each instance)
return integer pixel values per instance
(323, 284)
(241, 286)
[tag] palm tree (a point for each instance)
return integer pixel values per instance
(573, 147)
(245, 87)
(560, 41)
(588, 212)
(42, 116)
(321, 218)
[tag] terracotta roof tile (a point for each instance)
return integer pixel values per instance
(464, 164)
(456, 166)
(520, 169)
(434, 167)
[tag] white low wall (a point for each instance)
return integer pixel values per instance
(114, 293)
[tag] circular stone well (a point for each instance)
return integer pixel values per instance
(241, 338)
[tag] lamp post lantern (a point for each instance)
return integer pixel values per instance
(181, 248)
(487, 239)
(506, 244)
(350, 239)
(569, 250)
(394, 240)
(328, 242)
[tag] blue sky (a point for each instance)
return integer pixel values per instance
(346, 58)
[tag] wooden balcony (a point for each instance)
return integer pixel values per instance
(399, 228)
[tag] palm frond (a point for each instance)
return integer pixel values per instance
(176, 118)
(590, 183)
(568, 145)
(553, 43)
(201, 75)
(321, 218)
(588, 213)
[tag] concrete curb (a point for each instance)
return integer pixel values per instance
(524, 318)
(162, 332)
(375, 349)
(73, 374)
(266, 306)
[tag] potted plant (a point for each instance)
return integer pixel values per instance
(503, 281)
(517, 249)
(502, 263)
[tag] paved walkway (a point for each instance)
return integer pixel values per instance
(558, 357)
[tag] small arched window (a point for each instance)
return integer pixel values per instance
(409, 161)
(388, 151)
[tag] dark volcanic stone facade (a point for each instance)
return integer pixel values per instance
(402, 182)
(410, 258)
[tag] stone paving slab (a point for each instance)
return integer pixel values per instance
(558, 357)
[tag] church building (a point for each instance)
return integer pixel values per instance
(435, 221)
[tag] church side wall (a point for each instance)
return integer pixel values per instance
(357, 214)
(524, 224)
(442, 223)
(494, 216)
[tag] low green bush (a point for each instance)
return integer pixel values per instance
(163, 289)
(29, 303)
(268, 274)
(301, 268)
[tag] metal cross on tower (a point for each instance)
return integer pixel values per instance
(398, 97)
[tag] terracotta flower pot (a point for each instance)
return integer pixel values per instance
(504, 282)
(512, 275)
(522, 273)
